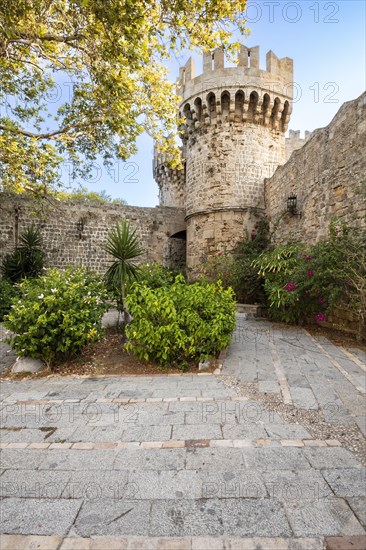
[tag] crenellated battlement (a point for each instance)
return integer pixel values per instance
(170, 181)
(294, 141)
(244, 93)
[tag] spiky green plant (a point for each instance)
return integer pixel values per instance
(124, 245)
(27, 259)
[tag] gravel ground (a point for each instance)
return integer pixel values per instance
(350, 436)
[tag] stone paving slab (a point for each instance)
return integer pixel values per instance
(16, 542)
(34, 484)
(350, 482)
(331, 458)
(113, 517)
(325, 518)
(168, 462)
(287, 431)
(358, 506)
(39, 542)
(39, 517)
(345, 543)
(276, 459)
(76, 460)
(254, 517)
(294, 485)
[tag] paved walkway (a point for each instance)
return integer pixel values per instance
(191, 462)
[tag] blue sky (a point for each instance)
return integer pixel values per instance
(325, 39)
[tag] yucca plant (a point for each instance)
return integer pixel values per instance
(27, 259)
(124, 245)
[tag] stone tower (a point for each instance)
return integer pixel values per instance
(235, 119)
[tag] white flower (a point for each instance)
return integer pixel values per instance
(53, 290)
(41, 296)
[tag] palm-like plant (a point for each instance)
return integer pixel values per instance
(124, 245)
(27, 259)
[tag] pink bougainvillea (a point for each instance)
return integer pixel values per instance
(319, 317)
(290, 286)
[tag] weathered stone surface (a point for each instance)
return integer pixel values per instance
(64, 245)
(322, 517)
(27, 364)
(347, 482)
(32, 542)
(324, 175)
(345, 543)
(47, 517)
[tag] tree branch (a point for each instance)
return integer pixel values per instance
(50, 135)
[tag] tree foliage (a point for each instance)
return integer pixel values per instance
(84, 195)
(106, 58)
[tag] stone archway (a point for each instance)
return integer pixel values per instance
(175, 250)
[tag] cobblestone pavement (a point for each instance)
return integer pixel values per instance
(7, 356)
(185, 461)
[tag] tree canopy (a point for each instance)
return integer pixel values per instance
(83, 78)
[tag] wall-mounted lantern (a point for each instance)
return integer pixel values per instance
(292, 205)
(80, 227)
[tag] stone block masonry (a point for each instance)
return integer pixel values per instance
(235, 119)
(74, 233)
(326, 175)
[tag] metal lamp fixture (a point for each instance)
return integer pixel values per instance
(292, 205)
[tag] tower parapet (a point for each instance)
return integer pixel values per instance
(294, 141)
(170, 181)
(244, 93)
(235, 119)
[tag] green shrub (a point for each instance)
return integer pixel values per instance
(27, 259)
(155, 275)
(305, 283)
(57, 314)
(8, 294)
(173, 325)
(235, 269)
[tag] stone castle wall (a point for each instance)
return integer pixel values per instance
(295, 142)
(224, 185)
(325, 175)
(74, 233)
(233, 137)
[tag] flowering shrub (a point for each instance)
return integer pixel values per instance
(57, 314)
(305, 283)
(175, 324)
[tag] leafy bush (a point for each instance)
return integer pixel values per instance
(57, 314)
(236, 269)
(8, 294)
(155, 275)
(282, 267)
(27, 260)
(173, 325)
(307, 282)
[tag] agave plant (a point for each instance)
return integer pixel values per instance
(124, 245)
(27, 259)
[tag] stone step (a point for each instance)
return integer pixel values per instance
(250, 310)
